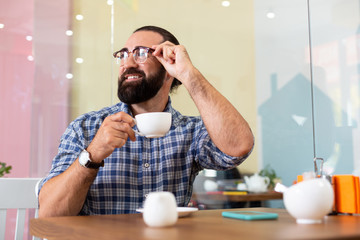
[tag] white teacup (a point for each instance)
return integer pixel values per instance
(309, 201)
(160, 209)
(153, 124)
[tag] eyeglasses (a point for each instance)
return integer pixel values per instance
(140, 54)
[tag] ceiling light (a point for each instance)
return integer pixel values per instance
(69, 33)
(30, 58)
(69, 76)
(79, 60)
(28, 38)
(225, 3)
(270, 15)
(110, 2)
(79, 17)
(2, 25)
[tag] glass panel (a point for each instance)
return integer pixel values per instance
(335, 46)
(283, 87)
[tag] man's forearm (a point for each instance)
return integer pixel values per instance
(64, 195)
(227, 128)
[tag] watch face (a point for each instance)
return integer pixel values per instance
(84, 158)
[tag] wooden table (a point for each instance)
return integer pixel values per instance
(205, 224)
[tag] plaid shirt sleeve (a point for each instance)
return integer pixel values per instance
(205, 152)
(210, 157)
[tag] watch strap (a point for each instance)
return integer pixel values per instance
(94, 165)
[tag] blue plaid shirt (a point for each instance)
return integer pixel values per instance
(169, 163)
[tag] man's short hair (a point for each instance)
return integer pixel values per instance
(167, 36)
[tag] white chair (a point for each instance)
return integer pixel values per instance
(20, 194)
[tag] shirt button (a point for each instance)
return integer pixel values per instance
(146, 165)
(146, 195)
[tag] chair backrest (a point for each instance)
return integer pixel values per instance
(20, 194)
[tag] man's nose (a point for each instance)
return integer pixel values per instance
(130, 62)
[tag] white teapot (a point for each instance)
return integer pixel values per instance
(257, 183)
(308, 201)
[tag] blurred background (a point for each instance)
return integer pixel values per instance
(290, 67)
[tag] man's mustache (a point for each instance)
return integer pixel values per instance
(131, 71)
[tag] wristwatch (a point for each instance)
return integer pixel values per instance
(85, 161)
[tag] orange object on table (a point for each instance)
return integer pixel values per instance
(347, 190)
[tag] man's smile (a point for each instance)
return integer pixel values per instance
(133, 77)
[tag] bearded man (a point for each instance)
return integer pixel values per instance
(120, 168)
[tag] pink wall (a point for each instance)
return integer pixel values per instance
(16, 84)
(33, 94)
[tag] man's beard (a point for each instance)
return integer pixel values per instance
(142, 90)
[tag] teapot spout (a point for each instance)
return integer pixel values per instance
(280, 188)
